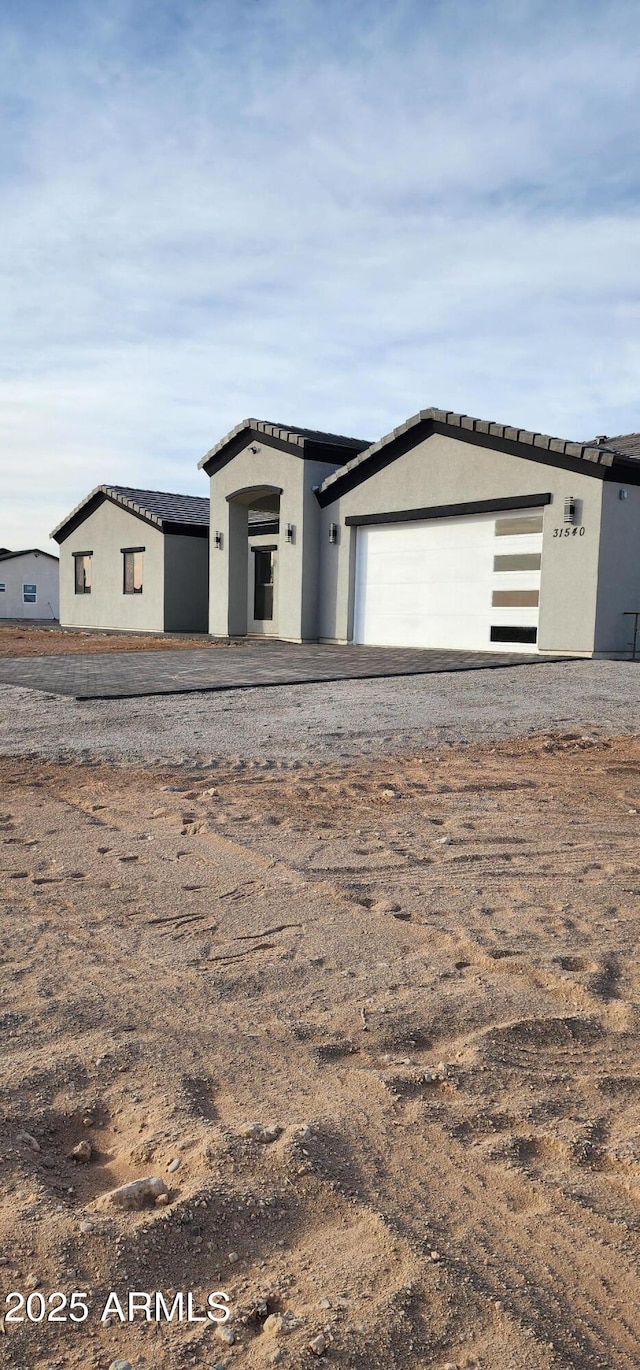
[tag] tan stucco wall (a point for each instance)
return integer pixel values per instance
(297, 561)
(619, 568)
(105, 532)
(443, 470)
(30, 569)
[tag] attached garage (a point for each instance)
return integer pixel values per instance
(471, 582)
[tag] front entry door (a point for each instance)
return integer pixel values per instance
(262, 607)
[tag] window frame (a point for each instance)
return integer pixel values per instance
(132, 552)
(86, 589)
(29, 592)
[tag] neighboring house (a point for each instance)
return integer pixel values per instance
(450, 532)
(28, 584)
(135, 560)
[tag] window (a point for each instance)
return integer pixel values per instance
(263, 584)
(513, 634)
(522, 523)
(132, 570)
(520, 561)
(82, 572)
(29, 594)
(2, 588)
(511, 599)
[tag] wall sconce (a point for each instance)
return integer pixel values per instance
(218, 541)
(333, 532)
(291, 532)
(569, 509)
(622, 494)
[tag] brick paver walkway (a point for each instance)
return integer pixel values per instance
(124, 675)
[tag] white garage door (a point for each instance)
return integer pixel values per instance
(470, 583)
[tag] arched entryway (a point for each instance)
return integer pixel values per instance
(254, 537)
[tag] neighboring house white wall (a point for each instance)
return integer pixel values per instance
(29, 569)
(104, 533)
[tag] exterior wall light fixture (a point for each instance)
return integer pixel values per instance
(570, 509)
(291, 532)
(218, 541)
(622, 494)
(333, 532)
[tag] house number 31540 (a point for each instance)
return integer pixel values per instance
(569, 532)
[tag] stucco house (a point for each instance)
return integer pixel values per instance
(449, 532)
(28, 584)
(135, 560)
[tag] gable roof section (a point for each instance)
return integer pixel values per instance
(6, 555)
(596, 458)
(625, 445)
(302, 442)
(169, 513)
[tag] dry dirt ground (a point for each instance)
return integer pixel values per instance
(27, 639)
(420, 974)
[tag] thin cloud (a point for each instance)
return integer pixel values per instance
(330, 214)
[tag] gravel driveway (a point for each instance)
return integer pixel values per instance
(343, 719)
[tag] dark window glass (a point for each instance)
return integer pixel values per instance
(133, 573)
(83, 575)
(510, 634)
(29, 594)
(263, 586)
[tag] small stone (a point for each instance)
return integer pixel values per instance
(226, 1335)
(445, 841)
(49, 1162)
(162, 1201)
(28, 1140)
(498, 1305)
(276, 1357)
(173, 1165)
(31, 1281)
(318, 1345)
(273, 1324)
(435, 1255)
(324, 1303)
(88, 1121)
(233, 1257)
(138, 1193)
(260, 1132)
(82, 1152)
(87, 1227)
(120, 1365)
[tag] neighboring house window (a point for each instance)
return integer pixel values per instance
(29, 594)
(82, 572)
(132, 570)
(2, 588)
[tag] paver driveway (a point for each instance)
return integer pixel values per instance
(123, 675)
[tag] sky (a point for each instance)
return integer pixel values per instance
(329, 213)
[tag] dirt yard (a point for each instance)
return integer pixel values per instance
(26, 639)
(384, 1017)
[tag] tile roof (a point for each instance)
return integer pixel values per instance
(595, 452)
(6, 555)
(157, 506)
(289, 433)
(625, 445)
